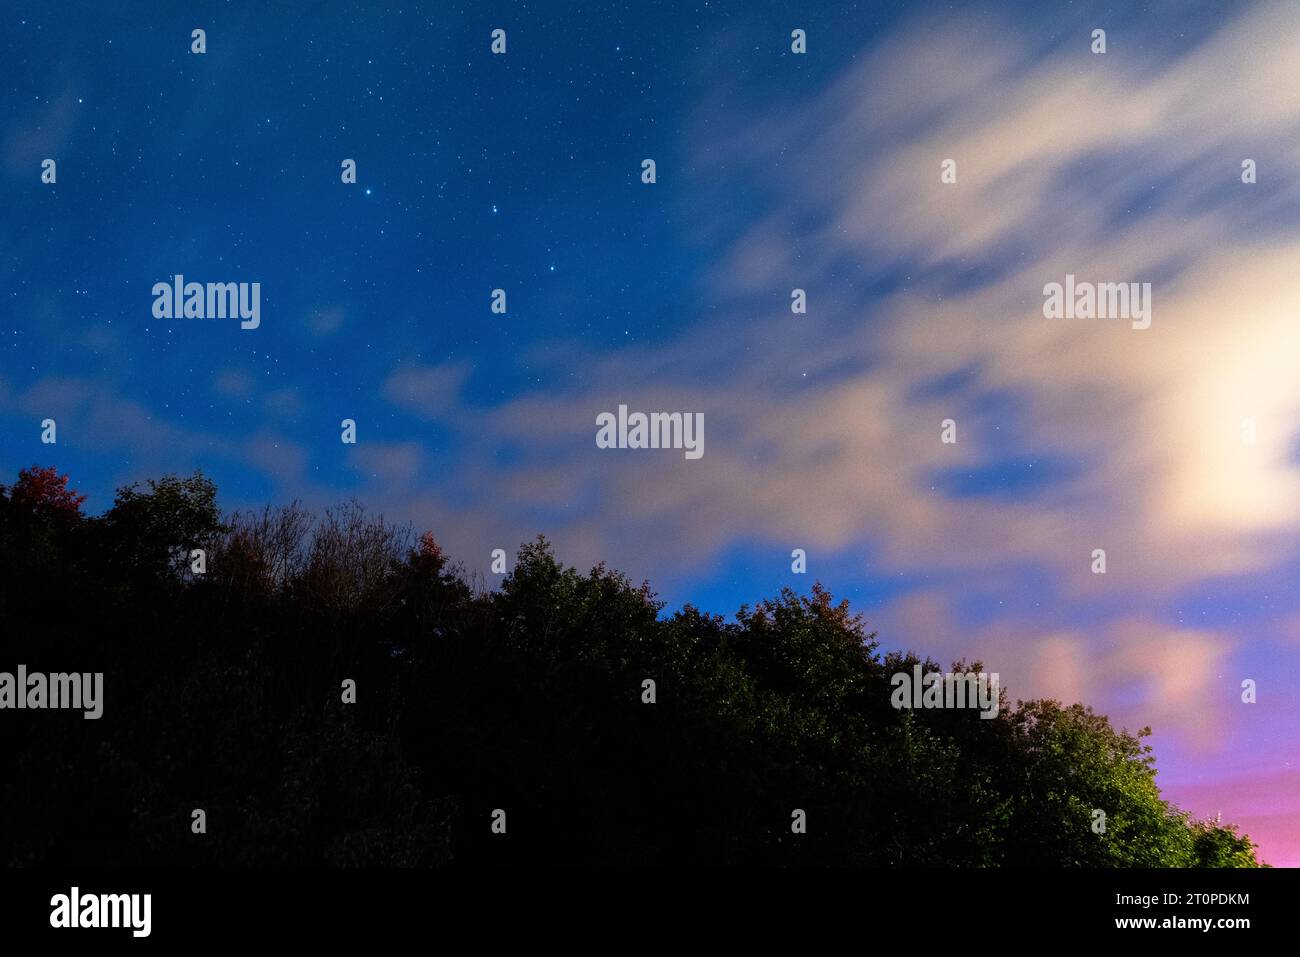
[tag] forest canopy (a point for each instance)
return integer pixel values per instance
(605, 730)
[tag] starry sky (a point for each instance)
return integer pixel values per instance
(775, 171)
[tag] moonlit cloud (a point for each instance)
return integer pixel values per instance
(1151, 419)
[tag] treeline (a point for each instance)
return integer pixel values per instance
(223, 691)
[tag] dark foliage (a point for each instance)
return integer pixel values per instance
(223, 692)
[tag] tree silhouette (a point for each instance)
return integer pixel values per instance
(223, 692)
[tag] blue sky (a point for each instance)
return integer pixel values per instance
(775, 171)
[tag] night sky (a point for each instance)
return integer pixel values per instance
(775, 171)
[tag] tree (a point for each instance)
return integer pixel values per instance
(530, 697)
(41, 526)
(150, 531)
(1067, 764)
(1219, 845)
(44, 489)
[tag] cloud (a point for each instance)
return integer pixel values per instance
(44, 137)
(327, 321)
(286, 403)
(1135, 668)
(1182, 679)
(819, 428)
(391, 463)
(431, 392)
(234, 383)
